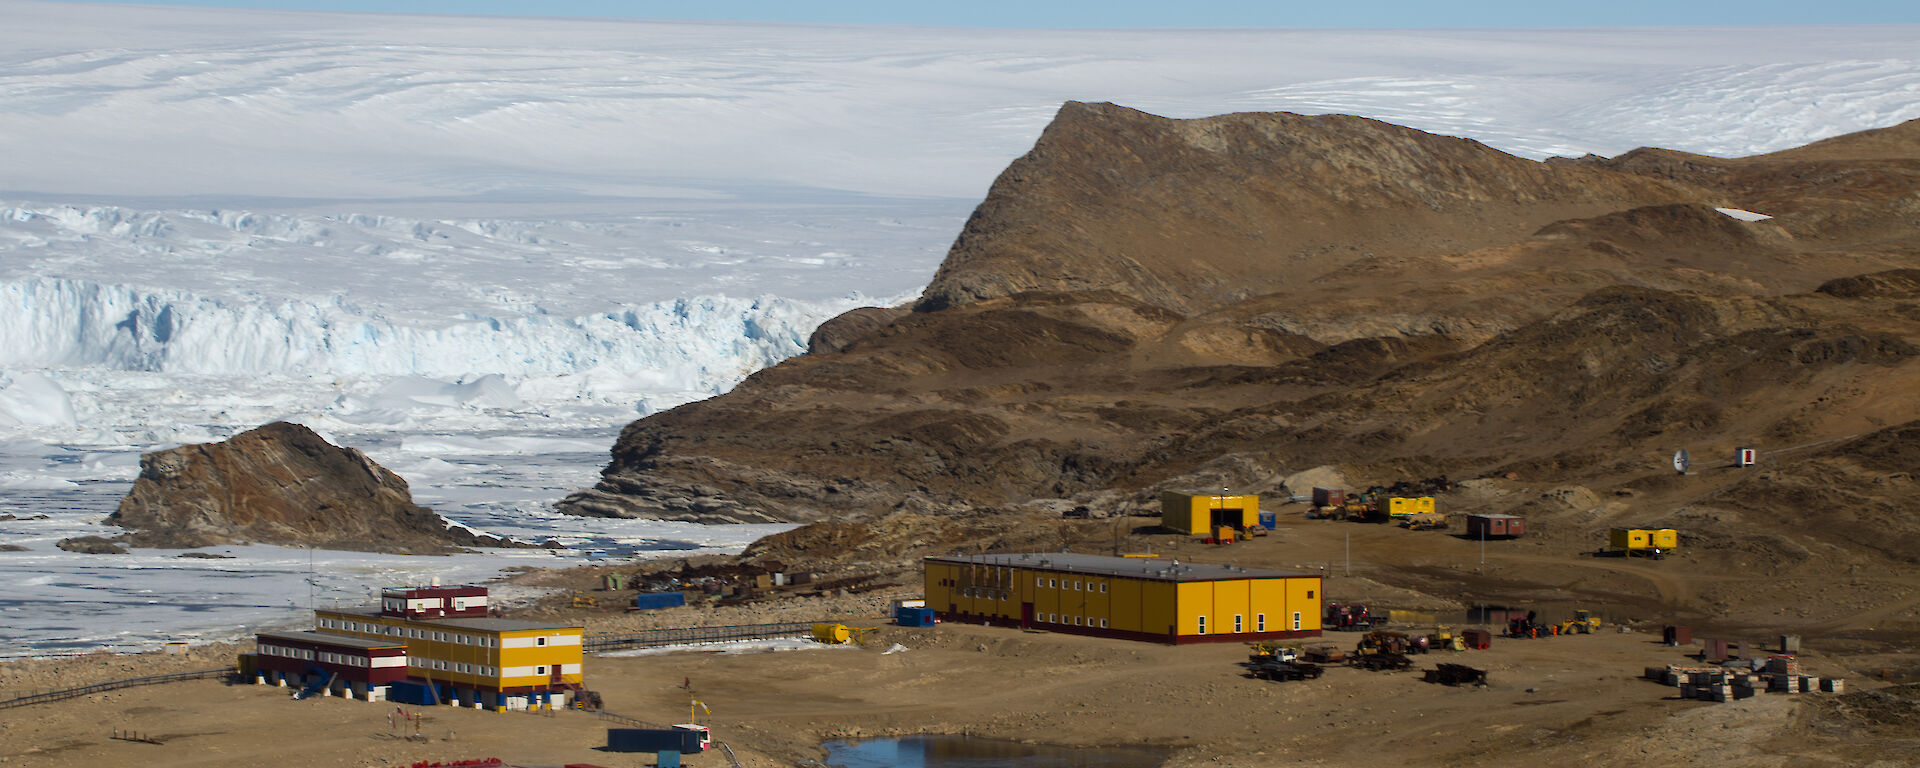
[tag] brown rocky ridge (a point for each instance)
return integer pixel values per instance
(281, 484)
(1143, 302)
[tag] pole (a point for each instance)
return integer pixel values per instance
(1349, 565)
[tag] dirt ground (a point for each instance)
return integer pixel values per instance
(1568, 698)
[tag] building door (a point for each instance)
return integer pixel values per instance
(1026, 615)
(1231, 518)
(556, 674)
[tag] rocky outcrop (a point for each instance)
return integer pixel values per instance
(91, 545)
(1196, 214)
(1144, 303)
(280, 484)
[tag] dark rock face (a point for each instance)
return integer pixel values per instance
(1143, 303)
(91, 545)
(280, 484)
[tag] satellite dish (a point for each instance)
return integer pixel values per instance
(1681, 461)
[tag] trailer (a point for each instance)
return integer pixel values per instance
(1487, 526)
(1285, 670)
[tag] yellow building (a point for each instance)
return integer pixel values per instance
(1405, 506)
(1651, 540)
(1194, 512)
(463, 654)
(1163, 601)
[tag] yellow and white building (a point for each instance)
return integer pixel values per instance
(464, 655)
(1156, 600)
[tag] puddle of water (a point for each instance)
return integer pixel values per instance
(949, 751)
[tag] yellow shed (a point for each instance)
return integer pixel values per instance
(1131, 598)
(1402, 506)
(1197, 512)
(1643, 539)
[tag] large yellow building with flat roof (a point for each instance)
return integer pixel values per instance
(1156, 600)
(467, 656)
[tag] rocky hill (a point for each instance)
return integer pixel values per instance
(1144, 303)
(280, 484)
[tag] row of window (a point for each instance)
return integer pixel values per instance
(1007, 594)
(286, 653)
(1078, 621)
(1062, 584)
(453, 666)
(1259, 623)
(391, 630)
(1239, 621)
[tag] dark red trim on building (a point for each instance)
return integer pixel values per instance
(1123, 634)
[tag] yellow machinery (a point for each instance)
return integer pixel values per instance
(1653, 542)
(841, 634)
(584, 601)
(1423, 521)
(1582, 623)
(1399, 508)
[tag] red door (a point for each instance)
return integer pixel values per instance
(1026, 615)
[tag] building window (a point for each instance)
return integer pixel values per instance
(1259, 622)
(1038, 582)
(1203, 625)
(1076, 585)
(1309, 594)
(540, 670)
(1103, 588)
(1103, 623)
(1236, 624)
(539, 641)
(1051, 584)
(1296, 621)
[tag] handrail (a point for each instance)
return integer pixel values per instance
(684, 635)
(111, 685)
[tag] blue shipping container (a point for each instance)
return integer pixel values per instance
(652, 740)
(648, 601)
(913, 617)
(404, 692)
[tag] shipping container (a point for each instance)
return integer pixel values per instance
(1496, 526)
(1677, 635)
(1715, 650)
(913, 617)
(1329, 497)
(409, 692)
(1477, 639)
(652, 740)
(647, 601)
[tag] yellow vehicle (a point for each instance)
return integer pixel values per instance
(1582, 623)
(1423, 521)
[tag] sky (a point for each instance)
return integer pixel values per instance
(1058, 14)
